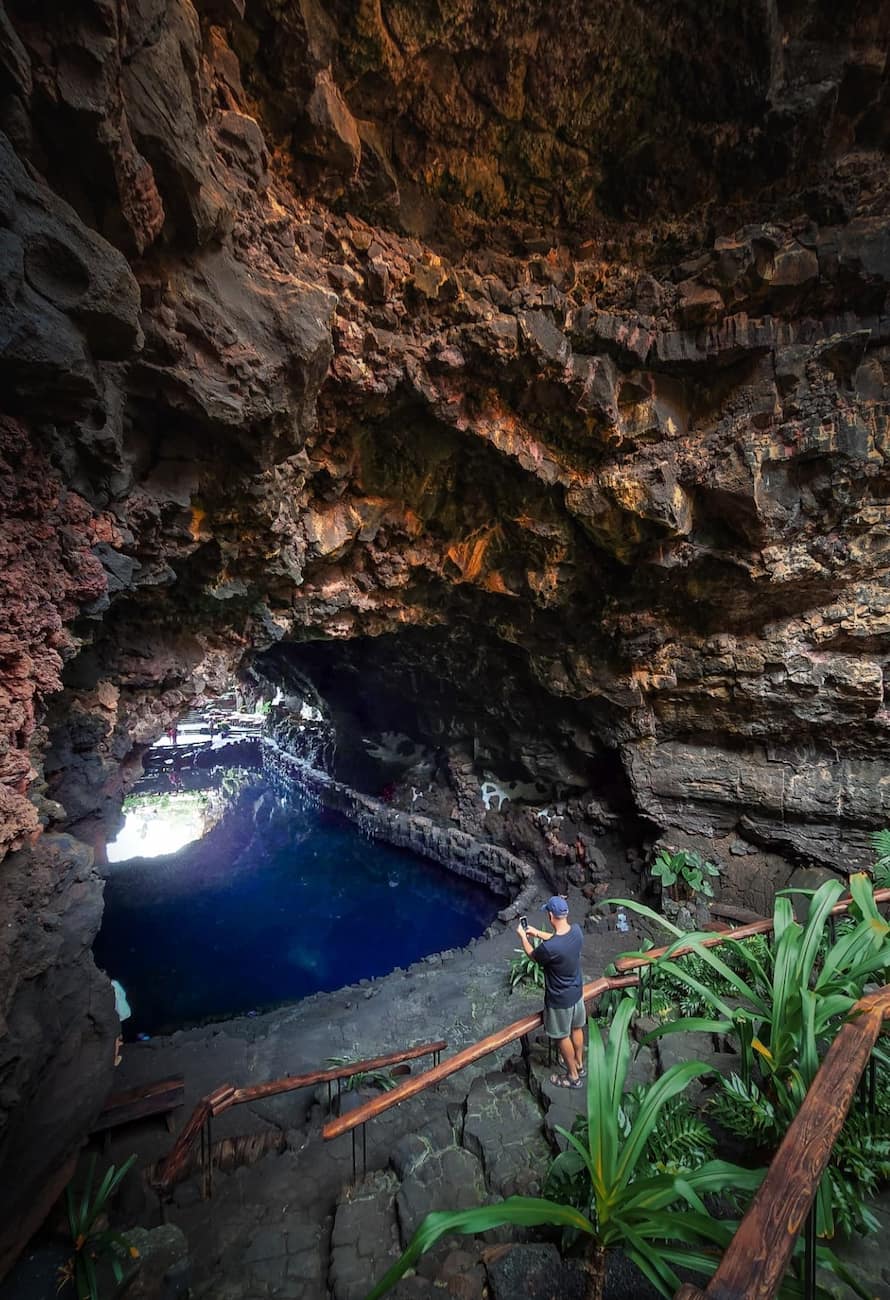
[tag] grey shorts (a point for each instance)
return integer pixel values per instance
(560, 1021)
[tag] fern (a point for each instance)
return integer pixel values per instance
(669, 990)
(742, 1109)
(880, 843)
(680, 1141)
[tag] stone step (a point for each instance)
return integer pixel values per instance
(365, 1237)
(503, 1126)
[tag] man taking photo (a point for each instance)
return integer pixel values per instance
(559, 954)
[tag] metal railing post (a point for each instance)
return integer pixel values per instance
(809, 1264)
(209, 1158)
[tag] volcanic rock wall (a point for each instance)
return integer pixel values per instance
(560, 333)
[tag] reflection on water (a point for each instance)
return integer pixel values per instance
(158, 824)
(269, 901)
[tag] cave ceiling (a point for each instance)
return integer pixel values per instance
(563, 327)
(520, 369)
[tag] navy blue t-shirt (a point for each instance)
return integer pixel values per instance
(561, 959)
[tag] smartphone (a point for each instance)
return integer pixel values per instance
(523, 921)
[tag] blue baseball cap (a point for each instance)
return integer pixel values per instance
(556, 906)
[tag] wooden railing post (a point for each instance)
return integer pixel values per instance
(485, 1046)
(198, 1126)
(755, 1261)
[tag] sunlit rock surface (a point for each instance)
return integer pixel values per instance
(548, 352)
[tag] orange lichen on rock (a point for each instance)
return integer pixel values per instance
(196, 524)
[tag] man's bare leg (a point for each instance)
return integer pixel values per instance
(578, 1045)
(567, 1052)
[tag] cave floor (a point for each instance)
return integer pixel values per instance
(268, 1228)
(295, 1225)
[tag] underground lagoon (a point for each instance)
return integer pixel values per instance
(228, 892)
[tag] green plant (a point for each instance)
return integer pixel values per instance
(860, 1161)
(525, 971)
(860, 1164)
(687, 869)
(91, 1242)
(381, 1078)
(880, 843)
(680, 1141)
(657, 1217)
(671, 995)
(784, 1008)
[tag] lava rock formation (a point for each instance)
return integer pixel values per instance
(532, 361)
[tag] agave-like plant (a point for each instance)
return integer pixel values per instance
(524, 970)
(92, 1243)
(659, 1220)
(380, 1078)
(787, 1005)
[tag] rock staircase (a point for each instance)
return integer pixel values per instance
(295, 1225)
(299, 1226)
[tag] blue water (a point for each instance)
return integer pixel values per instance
(268, 909)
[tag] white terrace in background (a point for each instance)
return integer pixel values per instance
(395, 749)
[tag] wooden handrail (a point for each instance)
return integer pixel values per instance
(485, 1046)
(755, 1261)
(226, 1096)
(637, 962)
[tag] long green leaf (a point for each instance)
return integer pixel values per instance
(762, 979)
(92, 1281)
(529, 1212)
(710, 958)
(817, 917)
(578, 1148)
(105, 1189)
(618, 1051)
(691, 1024)
(672, 1082)
(83, 1221)
(642, 910)
(708, 995)
(783, 916)
(655, 1193)
(809, 1055)
(863, 894)
(651, 1264)
(864, 953)
(607, 1072)
(72, 1211)
(831, 1006)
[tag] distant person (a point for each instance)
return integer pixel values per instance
(559, 954)
(122, 1007)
